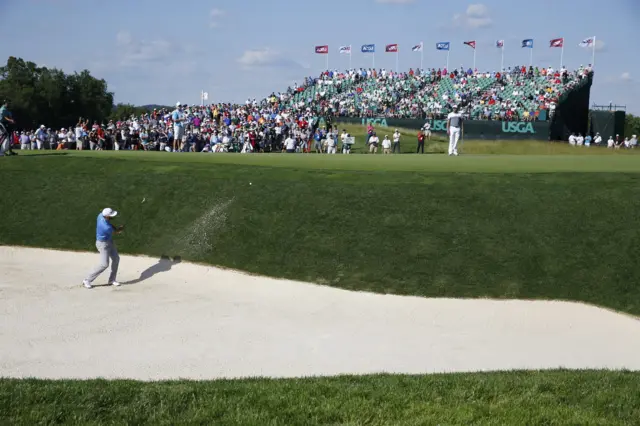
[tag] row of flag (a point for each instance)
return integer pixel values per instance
(446, 45)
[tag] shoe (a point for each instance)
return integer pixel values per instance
(115, 284)
(86, 284)
(455, 154)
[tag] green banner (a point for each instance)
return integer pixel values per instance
(474, 129)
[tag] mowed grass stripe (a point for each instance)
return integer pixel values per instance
(567, 236)
(517, 398)
(605, 161)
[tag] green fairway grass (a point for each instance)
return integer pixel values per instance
(354, 224)
(518, 398)
(497, 226)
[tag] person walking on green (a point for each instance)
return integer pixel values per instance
(106, 247)
(6, 126)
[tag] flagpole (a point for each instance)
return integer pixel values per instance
(397, 60)
(350, 47)
(421, 56)
(531, 57)
(448, 57)
(327, 60)
(374, 61)
(593, 59)
(502, 60)
(474, 59)
(562, 55)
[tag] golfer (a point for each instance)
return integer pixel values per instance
(106, 248)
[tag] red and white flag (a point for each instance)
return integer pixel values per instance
(322, 50)
(471, 44)
(557, 42)
(391, 48)
(500, 44)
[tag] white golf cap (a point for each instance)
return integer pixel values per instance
(109, 212)
(178, 104)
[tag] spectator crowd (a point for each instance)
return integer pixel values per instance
(288, 121)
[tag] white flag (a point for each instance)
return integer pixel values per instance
(345, 50)
(205, 96)
(588, 42)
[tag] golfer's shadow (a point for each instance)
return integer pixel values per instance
(164, 265)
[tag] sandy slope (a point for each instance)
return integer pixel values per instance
(189, 321)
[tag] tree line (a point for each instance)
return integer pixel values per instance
(41, 95)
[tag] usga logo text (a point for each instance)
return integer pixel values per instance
(517, 127)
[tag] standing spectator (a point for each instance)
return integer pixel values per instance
(386, 145)
(178, 118)
(373, 143)
(41, 137)
(331, 143)
(396, 142)
(79, 134)
(610, 142)
(290, 144)
(420, 143)
(427, 130)
(598, 139)
(317, 142)
(25, 142)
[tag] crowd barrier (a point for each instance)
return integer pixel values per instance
(473, 129)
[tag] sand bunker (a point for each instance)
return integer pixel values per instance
(189, 321)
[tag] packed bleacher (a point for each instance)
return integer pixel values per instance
(519, 93)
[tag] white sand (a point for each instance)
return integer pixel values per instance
(202, 323)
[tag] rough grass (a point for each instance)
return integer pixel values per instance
(568, 236)
(518, 398)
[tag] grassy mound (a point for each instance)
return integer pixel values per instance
(532, 398)
(358, 226)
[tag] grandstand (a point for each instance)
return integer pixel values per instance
(517, 94)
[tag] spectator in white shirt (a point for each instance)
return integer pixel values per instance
(331, 143)
(386, 145)
(290, 145)
(598, 139)
(373, 144)
(579, 140)
(572, 139)
(396, 141)
(610, 142)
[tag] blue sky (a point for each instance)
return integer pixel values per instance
(154, 51)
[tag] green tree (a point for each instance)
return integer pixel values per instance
(41, 95)
(631, 125)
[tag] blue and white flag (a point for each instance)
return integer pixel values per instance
(528, 43)
(443, 45)
(345, 50)
(368, 48)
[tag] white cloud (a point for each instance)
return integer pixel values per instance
(215, 16)
(266, 57)
(395, 1)
(476, 16)
(625, 76)
(131, 52)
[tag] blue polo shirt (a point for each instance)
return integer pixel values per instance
(104, 229)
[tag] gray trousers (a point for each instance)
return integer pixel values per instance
(107, 251)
